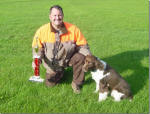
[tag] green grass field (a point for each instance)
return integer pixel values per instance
(117, 32)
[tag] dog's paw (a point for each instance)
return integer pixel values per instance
(100, 100)
(95, 91)
(117, 100)
(102, 96)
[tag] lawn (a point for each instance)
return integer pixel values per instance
(117, 31)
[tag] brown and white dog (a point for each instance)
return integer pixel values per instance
(107, 79)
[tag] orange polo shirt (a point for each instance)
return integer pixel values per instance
(44, 34)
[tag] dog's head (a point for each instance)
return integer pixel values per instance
(92, 63)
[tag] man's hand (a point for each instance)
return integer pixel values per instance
(33, 65)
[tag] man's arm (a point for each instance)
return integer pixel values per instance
(37, 47)
(82, 45)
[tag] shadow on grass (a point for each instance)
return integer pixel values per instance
(68, 76)
(130, 60)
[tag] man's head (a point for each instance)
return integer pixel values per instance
(56, 15)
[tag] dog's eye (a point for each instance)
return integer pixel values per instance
(88, 62)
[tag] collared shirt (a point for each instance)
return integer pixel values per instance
(69, 32)
(57, 47)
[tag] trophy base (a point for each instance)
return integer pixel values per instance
(36, 79)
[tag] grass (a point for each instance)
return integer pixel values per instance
(117, 32)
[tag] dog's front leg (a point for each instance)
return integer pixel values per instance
(103, 90)
(97, 87)
(102, 96)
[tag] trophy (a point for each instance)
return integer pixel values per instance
(36, 58)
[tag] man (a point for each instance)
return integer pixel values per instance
(61, 45)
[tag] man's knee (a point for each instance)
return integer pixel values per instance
(53, 78)
(77, 57)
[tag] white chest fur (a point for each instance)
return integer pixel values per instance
(97, 75)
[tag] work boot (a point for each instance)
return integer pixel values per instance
(76, 88)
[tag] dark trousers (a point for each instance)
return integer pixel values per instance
(76, 62)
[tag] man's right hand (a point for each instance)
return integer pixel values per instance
(33, 65)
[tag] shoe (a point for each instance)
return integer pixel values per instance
(75, 88)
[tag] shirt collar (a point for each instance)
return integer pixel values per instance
(62, 30)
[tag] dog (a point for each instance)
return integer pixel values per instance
(107, 79)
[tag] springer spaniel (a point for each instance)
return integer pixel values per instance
(107, 79)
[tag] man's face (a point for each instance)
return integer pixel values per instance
(56, 17)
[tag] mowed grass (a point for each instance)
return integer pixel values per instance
(117, 32)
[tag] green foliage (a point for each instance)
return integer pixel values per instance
(117, 32)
